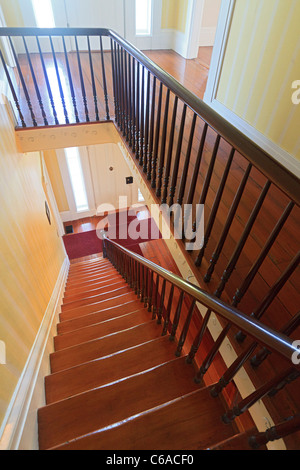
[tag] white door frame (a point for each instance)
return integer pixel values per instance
(223, 28)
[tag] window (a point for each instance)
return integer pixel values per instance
(77, 180)
(43, 13)
(140, 196)
(143, 17)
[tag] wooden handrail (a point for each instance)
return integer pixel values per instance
(263, 334)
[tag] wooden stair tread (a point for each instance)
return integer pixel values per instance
(96, 298)
(110, 313)
(108, 369)
(89, 291)
(84, 267)
(95, 307)
(94, 284)
(95, 409)
(100, 347)
(101, 329)
(88, 277)
(187, 423)
(94, 273)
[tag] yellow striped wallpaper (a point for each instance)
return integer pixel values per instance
(31, 256)
(174, 14)
(262, 60)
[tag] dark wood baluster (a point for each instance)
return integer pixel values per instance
(245, 404)
(236, 254)
(262, 256)
(187, 162)
(117, 65)
(155, 297)
(70, 81)
(146, 274)
(121, 94)
(242, 359)
(227, 273)
(207, 180)
(124, 100)
(177, 317)
(287, 330)
(151, 136)
(214, 209)
(177, 157)
(185, 329)
(228, 223)
(198, 338)
(93, 80)
(136, 278)
(38, 94)
(61, 91)
(23, 83)
(192, 188)
(133, 85)
(126, 94)
(163, 146)
(130, 102)
(104, 81)
(142, 122)
(151, 291)
(113, 73)
(256, 314)
(284, 429)
(170, 151)
(162, 300)
(82, 82)
(142, 283)
(268, 299)
(138, 99)
(47, 82)
(12, 89)
(157, 135)
(147, 120)
(168, 312)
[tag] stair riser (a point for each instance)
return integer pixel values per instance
(97, 273)
(81, 311)
(101, 329)
(89, 292)
(95, 298)
(98, 348)
(76, 268)
(103, 282)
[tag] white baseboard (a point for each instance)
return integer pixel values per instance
(207, 36)
(19, 430)
(279, 154)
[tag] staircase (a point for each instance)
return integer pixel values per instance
(115, 381)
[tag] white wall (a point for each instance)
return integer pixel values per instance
(210, 15)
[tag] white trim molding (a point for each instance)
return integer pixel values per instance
(19, 430)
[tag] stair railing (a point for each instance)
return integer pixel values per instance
(151, 282)
(186, 152)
